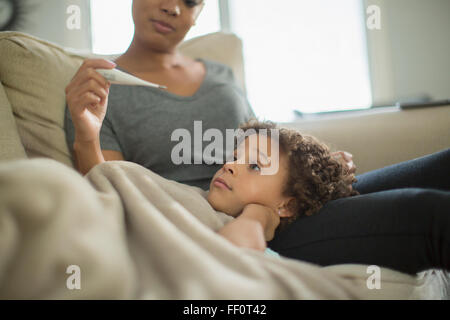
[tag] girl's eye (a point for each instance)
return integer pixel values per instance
(254, 166)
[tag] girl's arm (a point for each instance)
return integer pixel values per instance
(245, 233)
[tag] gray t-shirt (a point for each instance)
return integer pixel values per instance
(140, 121)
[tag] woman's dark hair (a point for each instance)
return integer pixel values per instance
(315, 176)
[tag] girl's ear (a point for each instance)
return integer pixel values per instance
(284, 209)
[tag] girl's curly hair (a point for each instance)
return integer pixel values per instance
(315, 176)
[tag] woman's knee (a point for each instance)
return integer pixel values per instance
(428, 196)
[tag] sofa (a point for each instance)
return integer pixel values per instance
(35, 72)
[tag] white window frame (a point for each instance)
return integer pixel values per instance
(225, 16)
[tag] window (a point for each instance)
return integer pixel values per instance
(112, 26)
(113, 29)
(312, 52)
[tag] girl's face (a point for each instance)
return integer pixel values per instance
(244, 183)
(164, 23)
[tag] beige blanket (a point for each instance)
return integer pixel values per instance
(131, 234)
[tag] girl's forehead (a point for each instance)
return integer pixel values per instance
(267, 151)
(262, 146)
(258, 141)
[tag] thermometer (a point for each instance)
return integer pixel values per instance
(119, 77)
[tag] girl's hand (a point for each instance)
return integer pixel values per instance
(244, 233)
(252, 228)
(266, 216)
(347, 159)
(87, 99)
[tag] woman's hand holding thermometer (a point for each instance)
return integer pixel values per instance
(87, 99)
(87, 95)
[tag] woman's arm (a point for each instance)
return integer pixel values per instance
(112, 155)
(89, 156)
(87, 100)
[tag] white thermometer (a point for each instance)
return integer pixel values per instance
(118, 77)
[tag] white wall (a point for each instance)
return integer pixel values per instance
(410, 54)
(46, 19)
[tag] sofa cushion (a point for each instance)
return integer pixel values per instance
(11, 146)
(221, 47)
(34, 74)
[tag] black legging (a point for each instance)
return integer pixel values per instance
(401, 220)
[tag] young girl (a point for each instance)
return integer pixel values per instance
(308, 176)
(307, 181)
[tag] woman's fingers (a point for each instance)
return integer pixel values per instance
(88, 79)
(87, 72)
(90, 99)
(346, 155)
(92, 64)
(92, 74)
(350, 164)
(90, 93)
(348, 159)
(352, 167)
(94, 87)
